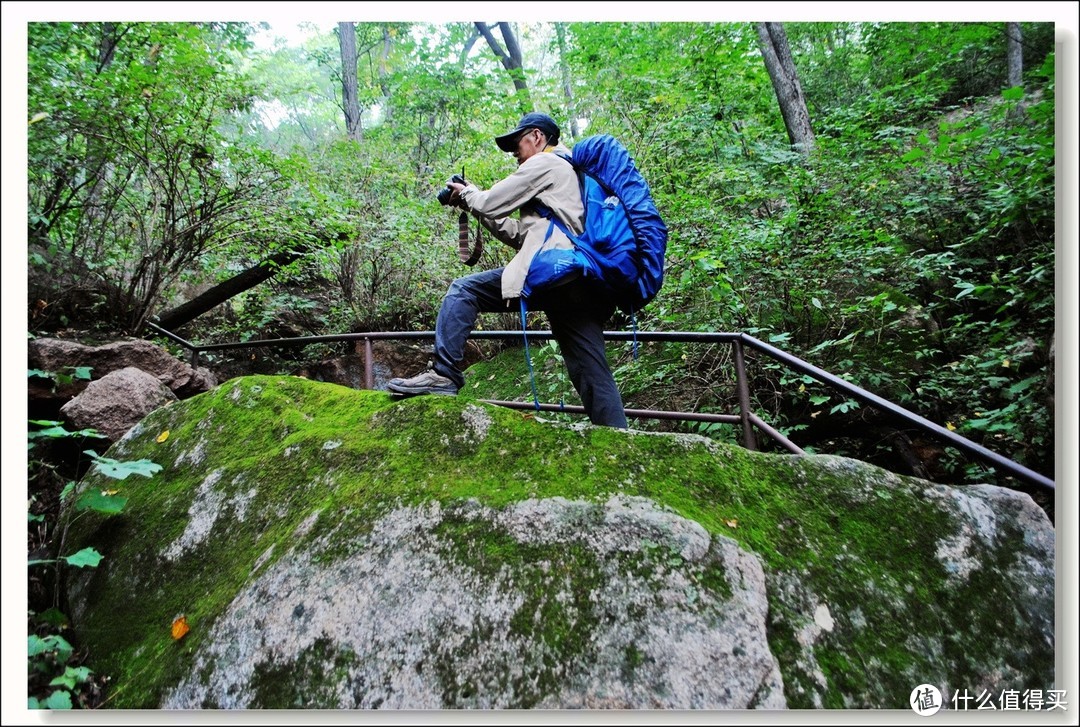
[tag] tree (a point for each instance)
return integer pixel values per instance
(785, 80)
(350, 96)
(384, 85)
(1014, 40)
(511, 60)
(155, 101)
(564, 71)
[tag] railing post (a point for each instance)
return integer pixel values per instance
(749, 440)
(369, 366)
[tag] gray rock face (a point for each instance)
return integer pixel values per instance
(118, 401)
(410, 624)
(333, 548)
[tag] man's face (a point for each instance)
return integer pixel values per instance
(530, 142)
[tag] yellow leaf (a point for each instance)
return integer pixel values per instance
(38, 117)
(950, 426)
(1006, 363)
(732, 523)
(109, 493)
(180, 627)
(163, 436)
(802, 388)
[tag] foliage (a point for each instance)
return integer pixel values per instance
(133, 168)
(56, 679)
(913, 254)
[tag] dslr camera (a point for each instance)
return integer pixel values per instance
(445, 192)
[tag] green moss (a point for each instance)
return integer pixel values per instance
(288, 449)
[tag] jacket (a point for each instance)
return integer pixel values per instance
(543, 178)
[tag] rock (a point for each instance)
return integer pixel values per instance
(58, 355)
(115, 403)
(339, 549)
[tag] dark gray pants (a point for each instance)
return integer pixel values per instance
(577, 313)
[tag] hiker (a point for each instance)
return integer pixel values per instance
(576, 310)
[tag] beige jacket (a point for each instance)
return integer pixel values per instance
(541, 178)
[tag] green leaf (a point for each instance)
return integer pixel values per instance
(845, 406)
(54, 617)
(102, 502)
(30, 373)
(36, 646)
(81, 372)
(120, 470)
(913, 155)
(1015, 93)
(57, 430)
(816, 302)
(85, 557)
(60, 699)
(72, 676)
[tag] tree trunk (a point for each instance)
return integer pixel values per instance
(511, 60)
(568, 92)
(785, 80)
(1014, 39)
(350, 96)
(223, 291)
(384, 87)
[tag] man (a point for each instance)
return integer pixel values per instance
(577, 310)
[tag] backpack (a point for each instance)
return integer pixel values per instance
(624, 240)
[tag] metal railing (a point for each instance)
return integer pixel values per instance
(746, 418)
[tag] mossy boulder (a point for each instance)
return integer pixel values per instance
(333, 548)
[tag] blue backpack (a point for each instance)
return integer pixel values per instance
(624, 240)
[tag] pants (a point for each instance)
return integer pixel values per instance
(577, 312)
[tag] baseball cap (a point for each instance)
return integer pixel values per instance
(508, 141)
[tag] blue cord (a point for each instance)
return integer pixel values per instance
(528, 358)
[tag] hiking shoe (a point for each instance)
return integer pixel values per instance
(428, 382)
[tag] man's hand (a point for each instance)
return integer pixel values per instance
(455, 195)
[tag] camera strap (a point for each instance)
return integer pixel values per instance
(466, 256)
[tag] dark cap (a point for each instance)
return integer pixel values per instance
(508, 141)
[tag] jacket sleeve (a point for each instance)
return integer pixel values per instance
(506, 230)
(494, 206)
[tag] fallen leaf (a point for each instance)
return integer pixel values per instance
(733, 523)
(163, 436)
(950, 426)
(109, 493)
(180, 627)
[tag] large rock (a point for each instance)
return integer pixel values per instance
(332, 548)
(59, 355)
(115, 403)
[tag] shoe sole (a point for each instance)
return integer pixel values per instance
(419, 390)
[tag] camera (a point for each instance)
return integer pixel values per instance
(444, 194)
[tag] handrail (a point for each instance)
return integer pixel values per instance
(738, 340)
